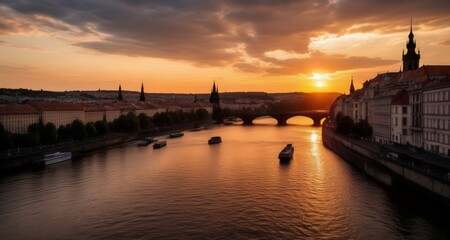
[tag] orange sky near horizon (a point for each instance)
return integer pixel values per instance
(183, 46)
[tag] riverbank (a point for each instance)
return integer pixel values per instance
(27, 158)
(391, 166)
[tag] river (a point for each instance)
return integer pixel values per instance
(234, 190)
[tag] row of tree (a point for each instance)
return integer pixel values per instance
(45, 134)
(345, 125)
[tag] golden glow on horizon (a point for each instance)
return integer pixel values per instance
(38, 59)
(320, 76)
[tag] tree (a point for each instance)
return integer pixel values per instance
(162, 119)
(345, 125)
(202, 114)
(129, 122)
(338, 117)
(145, 122)
(63, 133)
(5, 138)
(133, 121)
(91, 130)
(78, 130)
(34, 134)
(362, 129)
(101, 127)
(49, 133)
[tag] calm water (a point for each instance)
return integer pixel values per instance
(235, 190)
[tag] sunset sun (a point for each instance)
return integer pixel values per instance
(319, 78)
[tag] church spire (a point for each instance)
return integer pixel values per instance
(214, 98)
(120, 98)
(352, 88)
(142, 97)
(411, 58)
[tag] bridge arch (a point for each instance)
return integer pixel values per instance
(265, 120)
(300, 120)
(317, 116)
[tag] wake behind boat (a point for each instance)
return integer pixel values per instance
(57, 157)
(286, 153)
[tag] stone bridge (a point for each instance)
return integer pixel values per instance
(281, 117)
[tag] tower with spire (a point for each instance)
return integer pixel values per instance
(215, 100)
(352, 88)
(142, 96)
(411, 58)
(120, 98)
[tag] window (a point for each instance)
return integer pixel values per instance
(404, 131)
(404, 110)
(396, 121)
(404, 121)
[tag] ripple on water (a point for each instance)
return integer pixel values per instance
(190, 190)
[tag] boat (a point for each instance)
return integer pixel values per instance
(57, 157)
(146, 141)
(197, 129)
(143, 144)
(215, 140)
(176, 135)
(159, 144)
(286, 153)
(150, 139)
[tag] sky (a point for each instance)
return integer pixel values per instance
(182, 46)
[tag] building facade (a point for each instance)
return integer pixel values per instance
(409, 107)
(17, 117)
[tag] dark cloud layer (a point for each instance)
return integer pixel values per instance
(209, 32)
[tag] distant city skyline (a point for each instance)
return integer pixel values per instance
(183, 46)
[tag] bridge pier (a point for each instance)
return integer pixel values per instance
(317, 122)
(247, 120)
(282, 121)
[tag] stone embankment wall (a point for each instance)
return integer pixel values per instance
(384, 169)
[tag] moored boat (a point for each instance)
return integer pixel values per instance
(146, 141)
(143, 144)
(215, 140)
(57, 157)
(175, 135)
(150, 139)
(159, 144)
(286, 153)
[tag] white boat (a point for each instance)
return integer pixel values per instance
(286, 153)
(215, 140)
(159, 144)
(57, 157)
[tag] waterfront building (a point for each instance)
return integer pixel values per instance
(147, 108)
(409, 107)
(94, 112)
(436, 116)
(17, 117)
(112, 111)
(401, 118)
(59, 113)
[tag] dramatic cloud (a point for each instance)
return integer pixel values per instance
(262, 36)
